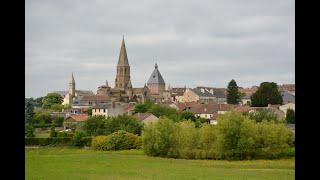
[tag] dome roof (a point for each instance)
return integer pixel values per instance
(156, 77)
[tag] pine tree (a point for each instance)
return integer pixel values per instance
(233, 95)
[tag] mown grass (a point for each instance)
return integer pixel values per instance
(71, 163)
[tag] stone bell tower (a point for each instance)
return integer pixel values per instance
(122, 80)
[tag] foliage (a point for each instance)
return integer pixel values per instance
(158, 138)
(58, 121)
(235, 136)
(161, 110)
(141, 108)
(90, 112)
(290, 116)
(42, 118)
(233, 94)
(51, 99)
(267, 93)
(119, 140)
(29, 130)
(187, 115)
(273, 140)
(47, 141)
(80, 139)
(53, 132)
(263, 114)
(29, 110)
(123, 122)
(57, 107)
(94, 125)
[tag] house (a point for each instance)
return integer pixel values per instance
(208, 111)
(146, 117)
(177, 94)
(246, 100)
(199, 96)
(287, 97)
(287, 106)
(88, 101)
(72, 121)
(111, 109)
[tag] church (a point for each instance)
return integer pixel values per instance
(122, 90)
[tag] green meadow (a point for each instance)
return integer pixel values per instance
(71, 163)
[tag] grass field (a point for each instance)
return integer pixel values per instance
(70, 163)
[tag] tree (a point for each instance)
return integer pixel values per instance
(187, 115)
(42, 117)
(53, 132)
(290, 116)
(267, 93)
(141, 108)
(51, 99)
(94, 124)
(123, 122)
(29, 130)
(233, 95)
(57, 107)
(29, 110)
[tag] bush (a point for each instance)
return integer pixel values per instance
(123, 122)
(263, 114)
(48, 141)
(234, 137)
(29, 130)
(80, 139)
(93, 124)
(158, 138)
(290, 116)
(119, 140)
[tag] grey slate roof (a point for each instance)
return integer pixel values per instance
(202, 94)
(287, 97)
(156, 77)
(219, 93)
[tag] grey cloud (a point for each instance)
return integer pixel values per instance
(194, 43)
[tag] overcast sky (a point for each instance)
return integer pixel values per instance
(195, 43)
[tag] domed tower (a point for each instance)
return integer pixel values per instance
(123, 69)
(156, 83)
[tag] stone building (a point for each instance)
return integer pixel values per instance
(156, 83)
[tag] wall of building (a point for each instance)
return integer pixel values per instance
(100, 112)
(189, 96)
(156, 88)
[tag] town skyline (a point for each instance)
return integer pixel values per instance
(248, 46)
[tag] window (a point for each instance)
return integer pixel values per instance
(104, 110)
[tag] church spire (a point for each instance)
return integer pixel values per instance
(123, 58)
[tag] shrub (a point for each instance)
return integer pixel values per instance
(29, 130)
(158, 138)
(53, 132)
(290, 116)
(119, 140)
(79, 139)
(123, 122)
(207, 139)
(48, 141)
(236, 135)
(263, 114)
(93, 124)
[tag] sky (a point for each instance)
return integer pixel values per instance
(194, 43)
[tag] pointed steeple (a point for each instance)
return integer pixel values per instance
(72, 79)
(156, 77)
(123, 58)
(107, 83)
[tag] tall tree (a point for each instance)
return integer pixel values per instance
(233, 95)
(51, 99)
(28, 110)
(267, 93)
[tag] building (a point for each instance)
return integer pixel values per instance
(287, 97)
(72, 93)
(156, 83)
(177, 94)
(72, 121)
(146, 117)
(85, 102)
(111, 109)
(199, 96)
